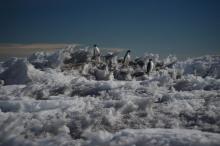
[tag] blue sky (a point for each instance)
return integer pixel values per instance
(182, 27)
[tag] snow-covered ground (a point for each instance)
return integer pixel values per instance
(44, 103)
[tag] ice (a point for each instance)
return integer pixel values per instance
(202, 66)
(55, 99)
(154, 137)
(20, 72)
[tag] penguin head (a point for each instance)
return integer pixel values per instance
(129, 51)
(150, 59)
(95, 45)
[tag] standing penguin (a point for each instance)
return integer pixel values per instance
(96, 53)
(150, 66)
(127, 58)
(2, 82)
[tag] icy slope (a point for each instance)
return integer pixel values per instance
(43, 103)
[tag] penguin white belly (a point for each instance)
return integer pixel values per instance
(128, 58)
(151, 66)
(97, 51)
(111, 76)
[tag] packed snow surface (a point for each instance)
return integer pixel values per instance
(59, 99)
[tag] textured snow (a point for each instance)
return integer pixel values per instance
(43, 102)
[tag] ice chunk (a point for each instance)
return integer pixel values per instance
(19, 72)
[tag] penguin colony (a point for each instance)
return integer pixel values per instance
(109, 67)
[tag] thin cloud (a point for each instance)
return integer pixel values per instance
(32, 46)
(20, 50)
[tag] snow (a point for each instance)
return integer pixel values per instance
(202, 66)
(44, 101)
(154, 137)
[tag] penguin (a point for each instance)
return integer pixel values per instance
(2, 82)
(127, 58)
(96, 53)
(150, 66)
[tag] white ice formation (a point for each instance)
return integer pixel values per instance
(54, 99)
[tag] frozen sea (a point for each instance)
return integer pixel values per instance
(44, 104)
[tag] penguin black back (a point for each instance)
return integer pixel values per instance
(149, 66)
(126, 54)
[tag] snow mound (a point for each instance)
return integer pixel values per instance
(190, 82)
(70, 54)
(202, 66)
(154, 137)
(19, 72)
